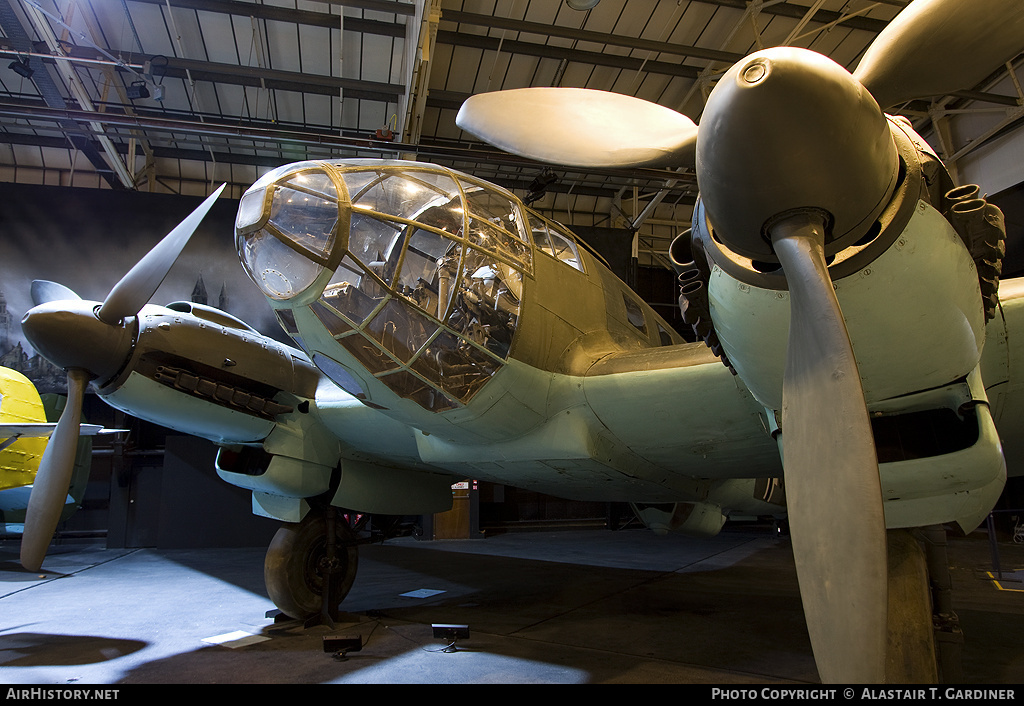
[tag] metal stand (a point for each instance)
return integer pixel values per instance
(450, 633)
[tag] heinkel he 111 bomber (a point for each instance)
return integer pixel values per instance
(845, 289)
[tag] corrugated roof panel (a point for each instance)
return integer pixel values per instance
(238, 64)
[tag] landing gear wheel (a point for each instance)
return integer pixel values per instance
(298, 561)
(910, 654)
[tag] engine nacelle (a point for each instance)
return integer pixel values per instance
(202, 372)
(913, 267)
(915, 292)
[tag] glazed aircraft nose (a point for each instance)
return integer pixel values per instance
(68, 334)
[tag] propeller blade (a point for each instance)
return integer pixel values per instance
(935, 47)
(50, 488)
(137, 287)
(796, 166)
(44, 292)
(578, 127)
(833, 492)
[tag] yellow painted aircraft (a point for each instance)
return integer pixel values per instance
(22, 417)
(443, 330)
(24, 430)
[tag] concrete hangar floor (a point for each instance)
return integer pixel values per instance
(580, 606)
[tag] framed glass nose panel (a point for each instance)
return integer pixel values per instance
(559, 245)
(497, 227)
(304, 210)
(286, 229)
(428, 269)
(272, 265)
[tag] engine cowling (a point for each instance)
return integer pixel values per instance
(217, 378)
(916, 292)
(909, 291)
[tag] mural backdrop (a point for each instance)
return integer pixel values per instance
(87, 239)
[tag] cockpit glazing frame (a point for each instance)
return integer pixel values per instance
(417, 274)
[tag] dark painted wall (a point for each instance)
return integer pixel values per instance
(1011, 202)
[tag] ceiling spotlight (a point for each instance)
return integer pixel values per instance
(21, 67)
(137, 90)
(581, 4)
(539, 186)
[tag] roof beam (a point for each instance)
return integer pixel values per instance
(277, 79)
(797, 12)
(276, 133)
(174, 67)
(547, 51)
(392, 29)
(284, 14)
(587, 36)
(51, 95)
(399, 8)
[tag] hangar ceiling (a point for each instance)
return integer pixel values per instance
(178, 95)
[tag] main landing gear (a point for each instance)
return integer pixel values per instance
(924, 634)
(310, 566)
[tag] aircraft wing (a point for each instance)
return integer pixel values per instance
(11, 432)
(35, 429)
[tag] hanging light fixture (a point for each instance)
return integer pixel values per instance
(137, 90)
(21, 67)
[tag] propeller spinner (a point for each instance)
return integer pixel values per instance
(90, 340)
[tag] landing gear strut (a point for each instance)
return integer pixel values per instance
(924, 633)
(310, 566)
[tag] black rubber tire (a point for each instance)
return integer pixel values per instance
(292, 568)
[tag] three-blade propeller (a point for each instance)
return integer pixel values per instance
(52, 325)
(794, 161)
